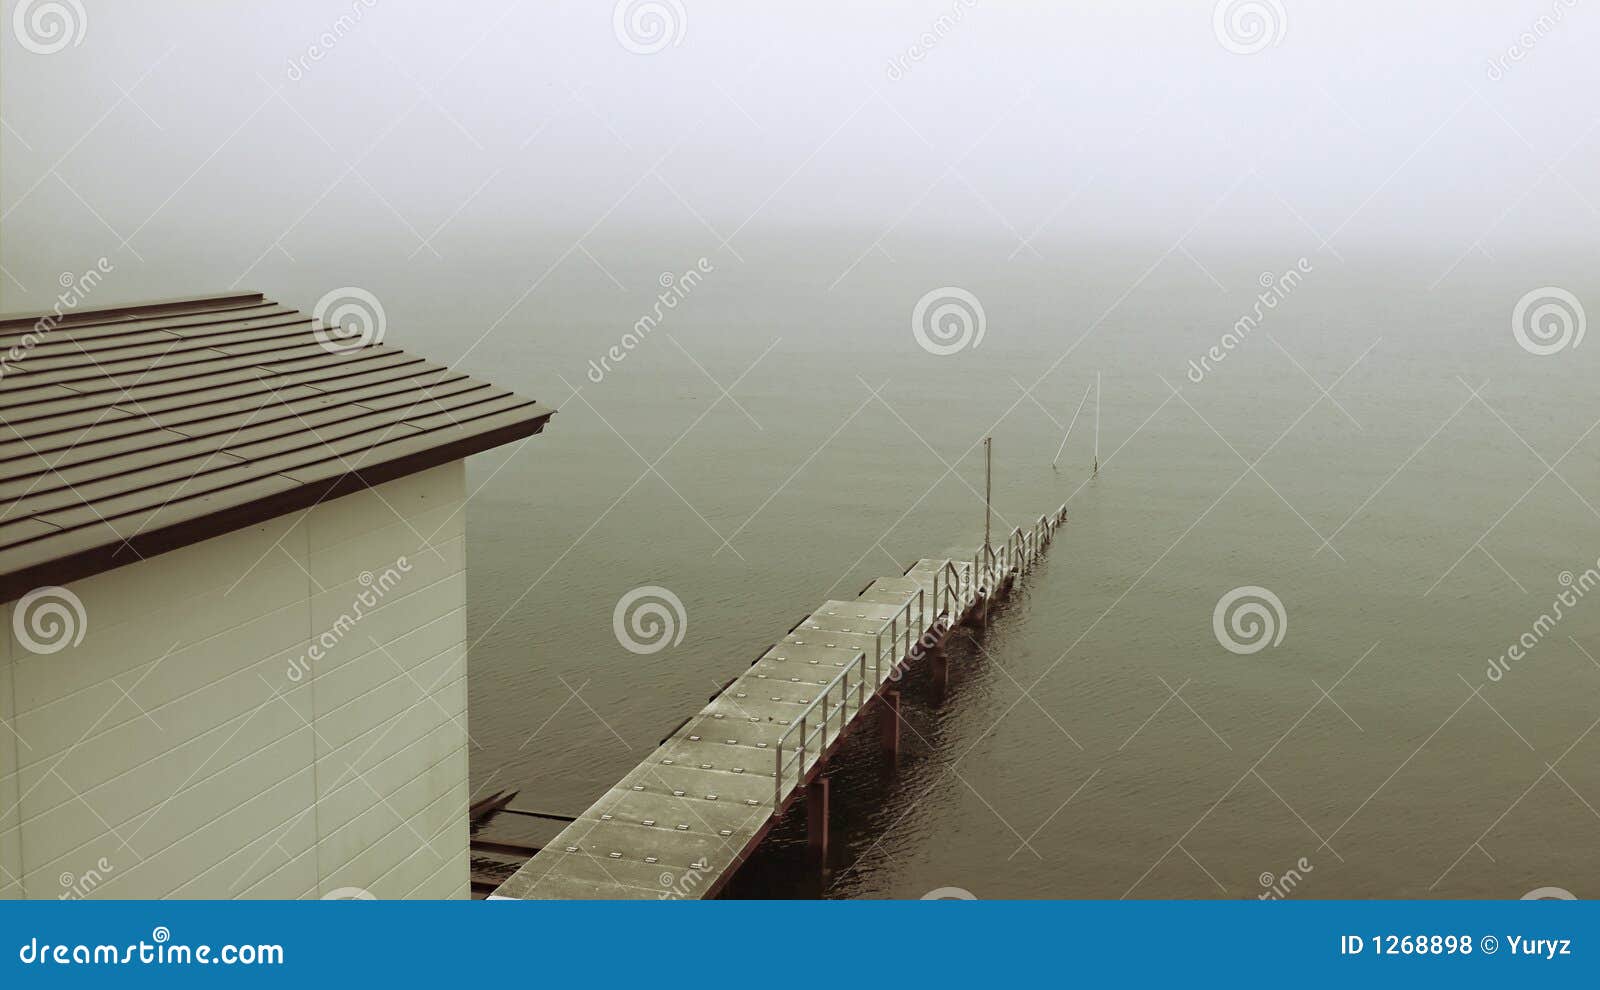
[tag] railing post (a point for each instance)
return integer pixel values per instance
(800, 774)
(777, 778)
(823, 748)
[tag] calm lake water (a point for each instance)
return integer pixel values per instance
(1096, 740)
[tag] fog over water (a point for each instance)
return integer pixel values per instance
(1392, 442)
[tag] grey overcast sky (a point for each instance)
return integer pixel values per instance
(197, 143)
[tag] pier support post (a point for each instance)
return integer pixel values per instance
(940, 665)
(889, 725)
(817, 818)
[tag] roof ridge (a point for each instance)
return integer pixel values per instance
(176, 303)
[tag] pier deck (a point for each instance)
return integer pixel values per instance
(681, 823)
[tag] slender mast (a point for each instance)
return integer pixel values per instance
(988, 487)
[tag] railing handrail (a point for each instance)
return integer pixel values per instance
(799, 722)
(1018, 552)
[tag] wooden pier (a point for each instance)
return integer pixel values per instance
(681, 824)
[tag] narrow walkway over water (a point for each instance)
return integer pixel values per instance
(684, 820)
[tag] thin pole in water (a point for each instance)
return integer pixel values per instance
(988, 487)
(1097, 422)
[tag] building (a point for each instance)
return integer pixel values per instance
(233, 575)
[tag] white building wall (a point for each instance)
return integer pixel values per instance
(277, 712)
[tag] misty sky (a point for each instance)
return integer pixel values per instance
(203, 144)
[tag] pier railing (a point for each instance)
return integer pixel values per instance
(811, 732)
(849, 691)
